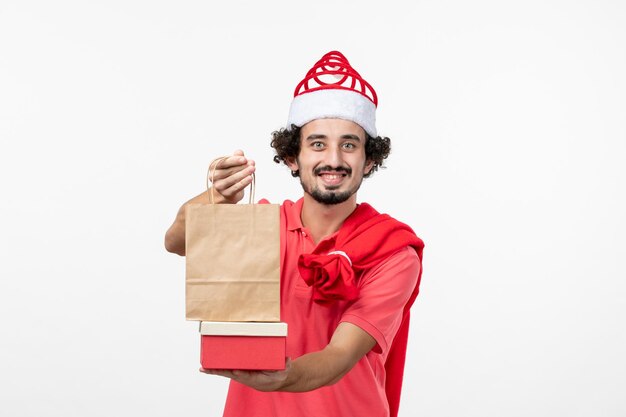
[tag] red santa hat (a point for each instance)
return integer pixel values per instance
(333, 89)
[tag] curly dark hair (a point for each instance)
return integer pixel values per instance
(286, 143)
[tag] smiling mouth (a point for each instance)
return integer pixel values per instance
(332, 179)
(331, 176)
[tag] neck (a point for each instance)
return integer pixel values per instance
(323, 220)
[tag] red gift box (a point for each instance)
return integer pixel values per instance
(239, 345)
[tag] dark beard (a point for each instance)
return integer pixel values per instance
(330, 197)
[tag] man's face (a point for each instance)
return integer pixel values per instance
(331, 160)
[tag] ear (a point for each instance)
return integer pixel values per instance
(369, 164)
(292, 163)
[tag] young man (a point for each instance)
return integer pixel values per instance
(348, 274)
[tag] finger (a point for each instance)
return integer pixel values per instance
(219, 372)
(225, 173)
(238, 158)
(228, 162)
(238, 180)
(234, 180)
(236, 188)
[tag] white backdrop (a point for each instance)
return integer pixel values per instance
(508, 122)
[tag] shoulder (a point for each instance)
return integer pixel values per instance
(404, 261)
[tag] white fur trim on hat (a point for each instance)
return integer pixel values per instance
(331, 104)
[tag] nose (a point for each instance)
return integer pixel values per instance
(334, 157)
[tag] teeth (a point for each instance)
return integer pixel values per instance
(332, 176)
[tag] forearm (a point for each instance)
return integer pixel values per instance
(175, 235)
(327, 366)
(308, 372)
(315, 370)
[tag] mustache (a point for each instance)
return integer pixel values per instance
(319, 170)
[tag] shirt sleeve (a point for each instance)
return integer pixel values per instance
(383, 292)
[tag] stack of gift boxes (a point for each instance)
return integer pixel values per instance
(233, 286)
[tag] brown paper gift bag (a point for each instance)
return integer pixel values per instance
(233, 261)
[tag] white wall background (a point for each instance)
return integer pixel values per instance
(508, 122)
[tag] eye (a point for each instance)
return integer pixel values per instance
(317, 145)
(349, 145)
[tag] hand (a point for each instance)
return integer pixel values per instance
(259, 380)
(232, 176)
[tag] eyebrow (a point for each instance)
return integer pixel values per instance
(315, 136)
